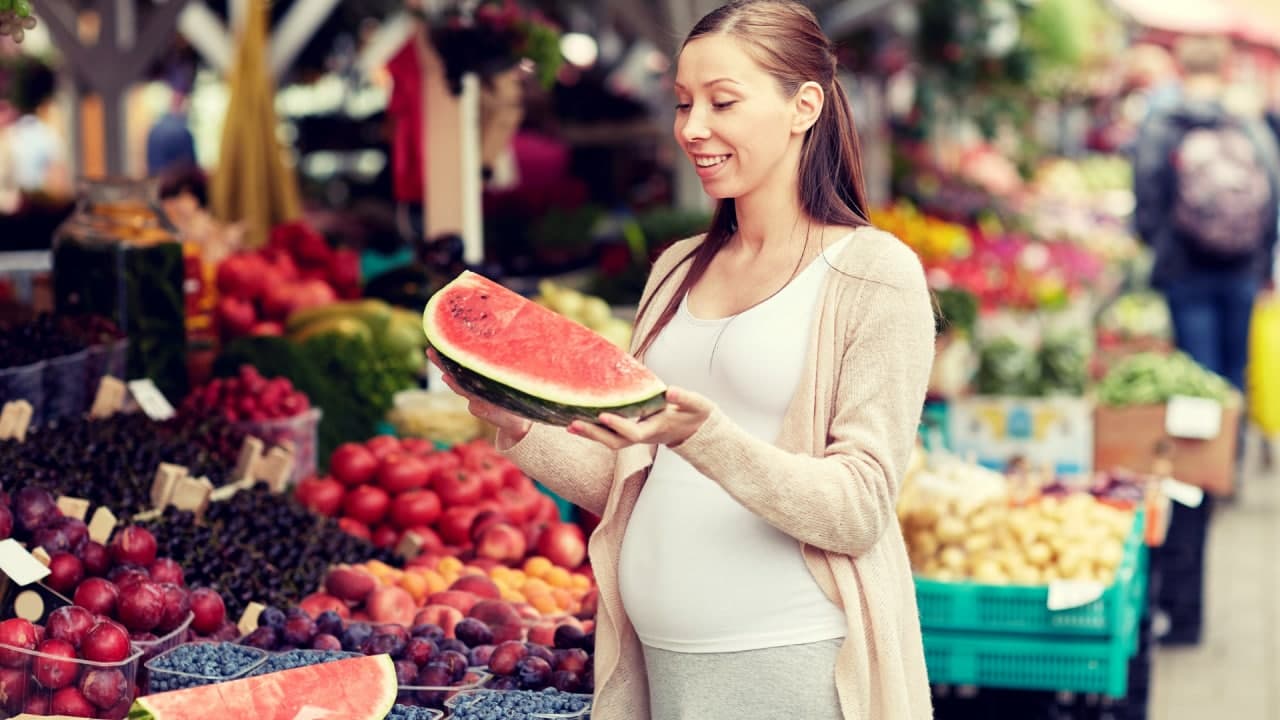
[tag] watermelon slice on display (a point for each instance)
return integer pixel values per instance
(525, 358)
(362, 688)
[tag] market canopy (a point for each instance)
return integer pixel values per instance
(1256, 21)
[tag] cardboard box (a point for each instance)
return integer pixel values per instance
(1056, 431)
(1135, 437)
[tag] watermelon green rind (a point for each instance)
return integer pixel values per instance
(539, 409)
(372, 678)
(561, 372)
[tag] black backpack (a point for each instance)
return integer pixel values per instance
(1223, 201)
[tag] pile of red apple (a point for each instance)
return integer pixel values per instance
(296, 270)
(246, 396)
(124, 581)
(42, 670)
(468, 501)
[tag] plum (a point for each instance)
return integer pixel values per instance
(534, 673)
(472, 632)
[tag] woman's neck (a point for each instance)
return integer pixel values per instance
(767, 218)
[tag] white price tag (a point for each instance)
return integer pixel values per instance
(1182, 493)
(21, 566)
(1192, 418)
(150, 399)
(1067, 594)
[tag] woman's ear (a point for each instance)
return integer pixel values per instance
(808, 102)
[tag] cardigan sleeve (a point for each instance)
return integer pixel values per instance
(844, 501)
(578, 469)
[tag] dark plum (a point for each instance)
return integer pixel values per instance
(34, 507)
(479, 655)
(329, 622)
(566, 681)
(454, 645)
(472, 632)
(354, 635)
(263, 638)
(299, 630)
(541, 651)
(534, 673)
(420, 650)
(272, 617)
(325, 641)
(506, 656)
(381, 645)
(406, 672)
(504, 682)
(457, 663)
(570, 636)
(431, 631)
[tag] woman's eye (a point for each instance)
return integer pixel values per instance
(682, 107)
(723, 105)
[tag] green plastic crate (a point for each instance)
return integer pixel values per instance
(1015, 609)
(1029, 663)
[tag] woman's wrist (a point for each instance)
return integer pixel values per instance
(510, 437)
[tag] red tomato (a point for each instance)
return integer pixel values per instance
(382, 445)
(455, 525)
(367, 503)
(400, 472)
(323, 495)
(519, 506)
(351, 526)
(418, 446)
(415, 507)
(353, 464)
(458, 487)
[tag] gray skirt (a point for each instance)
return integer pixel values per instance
(792, 681)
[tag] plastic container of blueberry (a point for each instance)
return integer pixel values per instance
(201, 663)
(414, 712)
(290, 659)
(548, 704)
(171, 640)
(438, 697)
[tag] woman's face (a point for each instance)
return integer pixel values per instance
(732, 118)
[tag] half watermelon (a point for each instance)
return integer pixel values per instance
(362, 688)
(523, 357)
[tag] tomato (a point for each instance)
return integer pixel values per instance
(515, 479)
(441, 462)
(367, 503)
(382, 445)
(519, 506)
(322, 495)
(385, 537)
(428, 540)
(484, 519)
(455, 525)
(418, 446)
(458, 487)
(401, 472)
(415, 507)
(547, 510)
(351, 526)
(353, 464)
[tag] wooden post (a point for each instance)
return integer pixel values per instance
(451, 140)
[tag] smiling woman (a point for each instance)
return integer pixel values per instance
(748, 556)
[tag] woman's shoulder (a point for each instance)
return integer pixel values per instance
(677, 251)
(880, 257)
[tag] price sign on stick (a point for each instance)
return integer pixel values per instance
(150, 399)
(110, 398)
(14, 420)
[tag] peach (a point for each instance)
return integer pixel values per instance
(349, 583)
(501, 542)
(527, 611)
(495, 612)
(477, 585)
(444, 616)
(318, 602)
(391, 604)
(504, 633)
(544, 633)
(459, 599)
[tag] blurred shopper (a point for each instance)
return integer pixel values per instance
(1207, 183)
(36, 153)
(749, 560)
(170, 145)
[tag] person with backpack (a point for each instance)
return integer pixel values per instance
(1207, 187)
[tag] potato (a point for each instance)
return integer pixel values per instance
(978, 542)
(950, 529)
(952, 558)
(925, 542)
(1039, 554)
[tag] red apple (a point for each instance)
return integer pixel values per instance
(209, 610)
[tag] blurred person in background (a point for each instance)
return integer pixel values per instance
(1207, 183)
(35, 153)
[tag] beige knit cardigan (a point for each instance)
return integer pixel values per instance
(831, 481)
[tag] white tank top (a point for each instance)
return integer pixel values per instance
(699, 573)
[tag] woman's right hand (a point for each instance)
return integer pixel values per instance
(512, 426)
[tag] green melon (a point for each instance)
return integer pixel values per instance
(362, 688)
(523, 357)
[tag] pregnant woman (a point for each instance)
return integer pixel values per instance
(749, 559)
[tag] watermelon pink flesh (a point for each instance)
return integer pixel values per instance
(354, 689)
(497, 333)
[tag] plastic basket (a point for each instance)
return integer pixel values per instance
(22, 693)
(438, 697)
(66, 386)
(461, 697)
(301, 430)
(1028, 662)
(159, 646)
(162, 679)
(950, 606)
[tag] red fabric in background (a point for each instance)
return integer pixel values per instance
(404, 112)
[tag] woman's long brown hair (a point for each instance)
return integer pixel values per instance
(785, 39)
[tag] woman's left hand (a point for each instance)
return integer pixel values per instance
(678, 421)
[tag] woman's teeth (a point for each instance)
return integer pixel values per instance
(710, 161)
